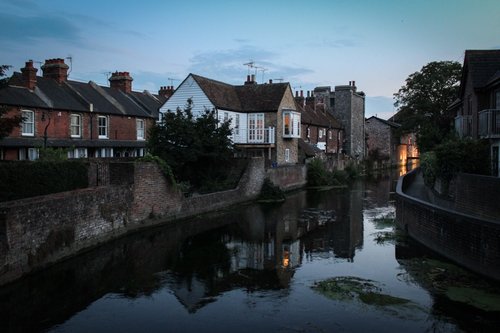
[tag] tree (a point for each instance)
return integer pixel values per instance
(198, 149)
(423, 102)
(6, 124)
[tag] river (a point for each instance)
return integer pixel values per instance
(253, 268)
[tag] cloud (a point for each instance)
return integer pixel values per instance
(25, 29)
(229, 65)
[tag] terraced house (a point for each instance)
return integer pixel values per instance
(263, 117)
(85, 118)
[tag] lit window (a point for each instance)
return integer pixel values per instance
(103, 127)
(28, 125)
(76, 126)
(140, 129)
(291, 124)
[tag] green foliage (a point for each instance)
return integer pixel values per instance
(50, 154)
(6, 124)
(423, 102)
(271, 192)
(453, 156)
(318, 175)
(164, 167)
(27, 179)
(198, 149)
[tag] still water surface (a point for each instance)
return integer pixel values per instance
(249, 269)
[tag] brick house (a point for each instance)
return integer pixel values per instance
(86, 119)
(477, 108)
(319, 127)
(264, 117)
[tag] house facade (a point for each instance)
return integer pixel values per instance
(383, 144)
(346, 104)
(477, 108)
(86, 119)
(263, 117)
(318, 126)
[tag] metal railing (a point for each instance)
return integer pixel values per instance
(463, 126)
(254, 136)
(489, 123)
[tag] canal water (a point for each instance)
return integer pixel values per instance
(254, 268)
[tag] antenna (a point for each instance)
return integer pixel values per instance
(107, 74)
(38, 62)
(250, 64)
(70, 58)
(281, 80)
(262, 69)
(172, 81)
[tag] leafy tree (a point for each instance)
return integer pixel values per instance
(198, 149)
(6, 124)
(423, 102)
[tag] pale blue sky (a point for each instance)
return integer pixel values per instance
(307, 43)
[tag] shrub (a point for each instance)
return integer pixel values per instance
(271, 192)
(28, 179)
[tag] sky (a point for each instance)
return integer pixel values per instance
(377, 44)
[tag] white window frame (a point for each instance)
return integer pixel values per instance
(104, 129)
(287, 155)
(30, 154)
(140, 129)
(291, 124)
(28, 123)
(75, 128)
(256, 127)
(237, 124)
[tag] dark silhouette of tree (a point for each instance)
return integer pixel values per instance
(198, 149)
(423, 102)
(7, 124)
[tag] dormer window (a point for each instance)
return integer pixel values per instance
(291, 124)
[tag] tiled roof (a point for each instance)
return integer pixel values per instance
(483, 65)
(244, 98)
(317, 118)
(387, 122)
(308, 149)
(77, 96)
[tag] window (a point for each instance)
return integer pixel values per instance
(291, 124)
(308, 132)
(237, 124)
(103, 127)
(287, 155)
(140, 129)
(256, 127)
(330, 135)
(104, 152)
(28, 154)
(28, 125)
(76, 126)
(226, 116)
(320, 135)
(77, 153)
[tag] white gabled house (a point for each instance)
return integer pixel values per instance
(264, 118)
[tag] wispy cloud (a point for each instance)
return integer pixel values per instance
(228, 65)
(21, 29)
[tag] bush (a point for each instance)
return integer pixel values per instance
(271, 192)
(20, 180)
(317, 175)
(451, 157)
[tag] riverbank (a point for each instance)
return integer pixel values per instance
(39, 231)
(463, 230)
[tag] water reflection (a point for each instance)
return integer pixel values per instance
(246, 269)
(254, 247)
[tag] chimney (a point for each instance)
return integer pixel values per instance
(250, 79)
(270, 81)
(121, 81)
(310, 100)
(55, 69)
(29, 75)
(166, 91)
(299, 98)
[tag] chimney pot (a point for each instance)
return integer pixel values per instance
(29, 75)
(55, 69)
(302, 93)
(270, 81)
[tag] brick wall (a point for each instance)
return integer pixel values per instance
(478, 195)
(288, 177)
(468, 240)
(38, 231)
